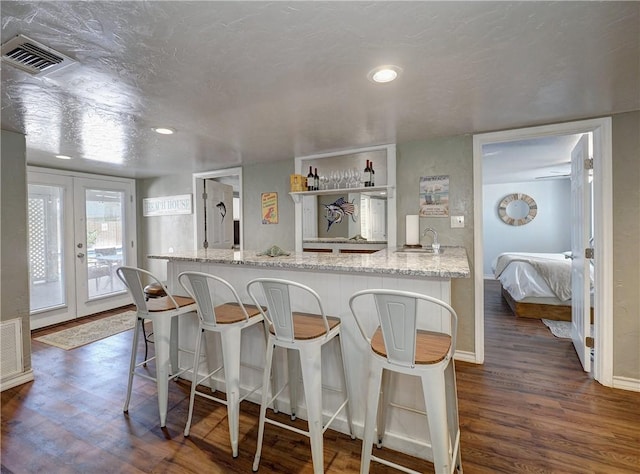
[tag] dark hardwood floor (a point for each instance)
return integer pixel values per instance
(529, 409)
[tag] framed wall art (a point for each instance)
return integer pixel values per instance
(434, 196)
(269, 208)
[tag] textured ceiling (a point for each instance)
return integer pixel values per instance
(252, 82)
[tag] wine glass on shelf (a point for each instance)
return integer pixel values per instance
(355, 175)
(348, 180)
(335, 178)
(344, 179)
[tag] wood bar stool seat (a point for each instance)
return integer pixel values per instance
(397, 345)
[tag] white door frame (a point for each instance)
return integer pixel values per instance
(237, 171)
(603, 233)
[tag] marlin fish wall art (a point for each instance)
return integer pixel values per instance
(338, 209)
(223, 210)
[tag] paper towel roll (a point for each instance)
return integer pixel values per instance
(413, 230)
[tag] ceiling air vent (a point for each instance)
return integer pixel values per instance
(33, 57)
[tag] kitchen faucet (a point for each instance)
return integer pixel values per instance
(435, 245)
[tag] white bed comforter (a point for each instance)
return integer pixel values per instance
(534, 275)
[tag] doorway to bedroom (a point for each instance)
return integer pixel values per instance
(523, 205)
(527, 227)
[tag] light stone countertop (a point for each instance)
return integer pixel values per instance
(339, 240)
(451, 263)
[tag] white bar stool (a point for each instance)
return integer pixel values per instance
(162, 312)
(228, 320)
(307, 334)
(398, 346)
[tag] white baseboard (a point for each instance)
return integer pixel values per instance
(626, 383)
(24, 377)
(466, 356)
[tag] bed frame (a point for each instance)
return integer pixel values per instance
(538, 310)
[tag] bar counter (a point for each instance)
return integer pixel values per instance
(451, 262)
(335, 277)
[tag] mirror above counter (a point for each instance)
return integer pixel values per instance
(344, 212)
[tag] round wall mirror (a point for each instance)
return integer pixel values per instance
(517, 209)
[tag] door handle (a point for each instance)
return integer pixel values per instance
(569, 256)
(80, 255)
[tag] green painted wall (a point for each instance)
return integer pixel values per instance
(14, 277)
(626, 245)
(452, 156)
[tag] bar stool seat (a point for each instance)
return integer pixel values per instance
(397, 345)
(228, 319)
(303, 335)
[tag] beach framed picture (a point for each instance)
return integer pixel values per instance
(434, 196)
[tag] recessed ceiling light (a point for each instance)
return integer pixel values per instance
(384, 74)
(63, 157)
(164, 130)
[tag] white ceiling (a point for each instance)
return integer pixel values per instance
(528, 160)
(253, 82)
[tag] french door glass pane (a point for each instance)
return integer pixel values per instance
(46, 229)
(105, 237)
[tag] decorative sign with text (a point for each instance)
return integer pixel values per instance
(269, 208)
(167, 205)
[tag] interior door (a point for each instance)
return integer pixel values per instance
(73, 250)
(218, 231)
(580, 272)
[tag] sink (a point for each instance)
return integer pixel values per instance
(427, 250)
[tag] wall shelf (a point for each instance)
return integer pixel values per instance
(306, 210)
(373, 190)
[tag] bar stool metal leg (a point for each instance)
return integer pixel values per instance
(231, 361)
(311, 364)
(194, 381)
(263, 404)
(435, 400)
(132, 364)
(293, 368)
(373, 398)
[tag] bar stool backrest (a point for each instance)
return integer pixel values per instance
(279, 314)
(204, 288)
(398, 313)
(132, 278)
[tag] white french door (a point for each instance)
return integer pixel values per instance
(81, 228)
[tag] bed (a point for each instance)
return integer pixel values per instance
(536, 285)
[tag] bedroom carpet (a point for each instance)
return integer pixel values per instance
(90, 332)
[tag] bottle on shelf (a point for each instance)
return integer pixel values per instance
(367, 175)
(310, 180)
(372, 178)
(316, 180)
